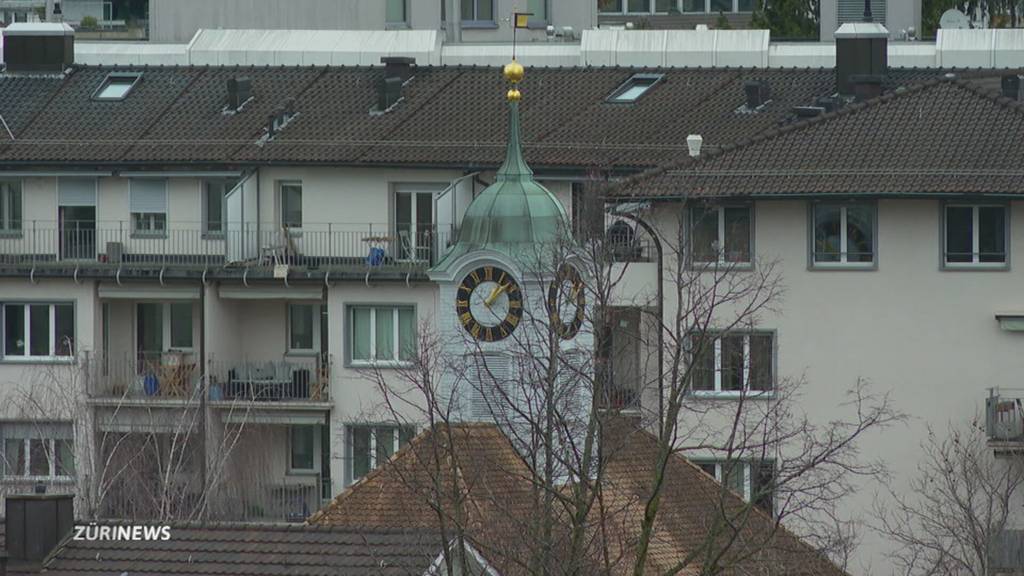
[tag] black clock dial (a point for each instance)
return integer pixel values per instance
(489, 304)
(567, 302)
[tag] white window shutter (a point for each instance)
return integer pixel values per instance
(487, 373)
(148, 195)
(76, 191)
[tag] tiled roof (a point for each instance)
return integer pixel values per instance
(944, 136)
(253, 550)
(449, 116)
(499, 503)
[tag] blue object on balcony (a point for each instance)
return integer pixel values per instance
(151, 385)
(216, 393)
(376, 256)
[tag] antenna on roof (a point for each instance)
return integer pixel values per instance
(867, 11)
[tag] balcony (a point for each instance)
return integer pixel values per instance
(1004, 417)
(288, 380)
(143, 377)
(290, 498)
(180, 246)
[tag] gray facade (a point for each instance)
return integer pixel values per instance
(178, 20)
(896, 15)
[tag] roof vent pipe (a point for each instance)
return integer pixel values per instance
(1011, 86)
(694, 143)
(398, 67)
(757, 93)
(239, 91)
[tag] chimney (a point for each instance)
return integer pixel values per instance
(239, 90)
(1011, 86)
(866, 87)
(36, 523)
(861, 49)
(398, 67)
(757, 93)
(694, 143)
(38, 47)
(397, 71)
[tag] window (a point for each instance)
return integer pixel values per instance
(304, 328)
(478, 10)
(609, 6)
(634, 88)
(149, 206)
(750, 480)
(291, 204)
(844, 235)
(116, 86)
(10, 206)
(215, 205)
(370, 446)
(539, 9)
(38, 450)
(302, 448)
(38, 331)
(163, 326)
(853, 11)
(732, 363)
(720, 234)
(414, 220)
(382, 334)
(976, 235)
(395, 12)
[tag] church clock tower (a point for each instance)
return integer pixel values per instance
(500, 291)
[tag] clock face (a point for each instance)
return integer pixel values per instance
(489, 304)
(567, 302)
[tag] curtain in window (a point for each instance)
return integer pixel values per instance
(406, 334)
(737, 234)
(761, 362)
(361, 334)
(385, 337)
(703, 370)
(360, 437)
(732, 363)
(991, 234)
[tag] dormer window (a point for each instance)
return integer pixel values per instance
(634, 88)
(116, 86)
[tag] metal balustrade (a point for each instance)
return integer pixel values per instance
(157, 375)
(291, 379)
(119, 245)
(1004, 414)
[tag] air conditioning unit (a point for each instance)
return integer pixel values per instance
(115, 252)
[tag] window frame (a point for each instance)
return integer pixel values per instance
(316, 313)
(9, 189)
(476, 21)
(975, 264)
(749, 467)
(350, 454)
(117, 77)
(747, 391)
(397, 362)
(316, 448)
(148, 224)
(842, 264)
(677, 7)
(52, 357)
(166, 328)
(221, 185)
(616, 97)
(282, 212)
(50, 448)
(721, 262)
(397, 24)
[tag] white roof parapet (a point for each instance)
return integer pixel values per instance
(675, 48)
(965, 48)
(532, 55)
(312, 47)
(38, 29)
(131, 54)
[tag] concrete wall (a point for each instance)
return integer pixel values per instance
(925, 335)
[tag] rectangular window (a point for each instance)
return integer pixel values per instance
(539, 9)
(303, 448)
(215, 205)
(163, 326)
(116, 86)
(638, 6)
(395, 12)
(732, 363)
(372, 445)
(720, 234)
(382, 334)
(291, 204)
(478, 10)
(38, 331)
(694, 6)
(844, 235)
(10, 206)
(664, 6)
(304, 328)
(976, 235)
(38, 450)
(632, 89)
(148, 200)
(750, 480)
(744, 5)
(721, 6)
(609, 6)
(181, 324)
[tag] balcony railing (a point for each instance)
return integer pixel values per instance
(158, 375)
(286, 380)
(326, 246)
(1004, 414)
(283, 499)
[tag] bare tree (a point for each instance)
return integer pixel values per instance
(960, 503)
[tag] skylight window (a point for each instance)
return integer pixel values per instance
(116, 86)
(634, 88)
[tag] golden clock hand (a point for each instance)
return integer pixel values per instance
(498, 290)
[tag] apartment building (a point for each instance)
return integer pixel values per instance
(219, 257)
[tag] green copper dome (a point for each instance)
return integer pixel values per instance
(515, 215)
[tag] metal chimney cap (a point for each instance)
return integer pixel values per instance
(694, 143)
(862, 30)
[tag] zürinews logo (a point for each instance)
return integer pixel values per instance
(93, 532)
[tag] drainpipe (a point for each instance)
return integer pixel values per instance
(661, 312)
(202, 387)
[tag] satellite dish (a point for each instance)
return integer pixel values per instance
(954, 19)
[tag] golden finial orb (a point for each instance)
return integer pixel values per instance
(514, 95)
(514, 72)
